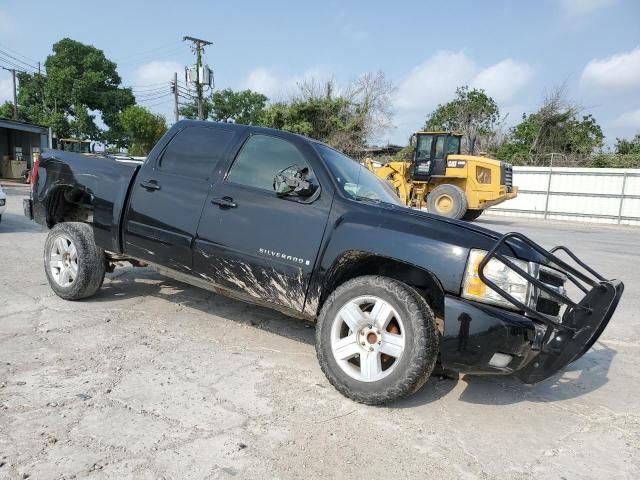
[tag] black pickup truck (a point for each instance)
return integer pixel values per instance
(288, 222)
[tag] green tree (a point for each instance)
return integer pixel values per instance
(244, 107)
(471, 112)
(628, 147)
(6, 110)
(190, 110)
(141, 128)
(80, 81)
(555, 128)
(347, 120)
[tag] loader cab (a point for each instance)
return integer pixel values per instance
(430, 153)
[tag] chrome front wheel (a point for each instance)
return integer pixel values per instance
(367, 338)
(376, 339)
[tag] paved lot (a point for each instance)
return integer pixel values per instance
(155, 379)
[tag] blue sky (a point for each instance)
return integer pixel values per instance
(516, 50)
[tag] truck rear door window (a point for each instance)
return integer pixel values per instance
(262, 157)
(195, 151)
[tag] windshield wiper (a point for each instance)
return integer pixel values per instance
(359, 198)
(376, 201)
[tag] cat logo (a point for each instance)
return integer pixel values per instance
(456, 163)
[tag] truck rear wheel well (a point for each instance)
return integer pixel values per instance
(356, 264)
(68, 204)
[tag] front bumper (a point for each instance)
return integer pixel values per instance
(505, 194)
(532, 346)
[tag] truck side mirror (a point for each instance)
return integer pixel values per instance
(293, 181)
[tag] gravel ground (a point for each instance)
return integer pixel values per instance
(155, 379)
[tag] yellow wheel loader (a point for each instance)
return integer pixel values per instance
(446, 182)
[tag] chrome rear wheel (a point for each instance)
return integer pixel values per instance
(63, 261)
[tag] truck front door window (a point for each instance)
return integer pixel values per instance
(262, 157)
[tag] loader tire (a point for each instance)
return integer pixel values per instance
(448, 201)
(75, 266)
(471, 214)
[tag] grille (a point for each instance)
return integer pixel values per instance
(506, 175)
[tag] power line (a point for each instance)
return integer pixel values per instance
(151, 98)
(7, 54)
(13, 65)
(151, 91)
(18, 53)
(159, 103)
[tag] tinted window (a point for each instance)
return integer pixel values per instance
(261, 158)
(195, 151)
(454, 145)
(440, 147)
(424, 147)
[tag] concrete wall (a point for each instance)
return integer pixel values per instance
(595, 195)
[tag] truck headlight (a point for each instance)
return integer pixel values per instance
(474, 288)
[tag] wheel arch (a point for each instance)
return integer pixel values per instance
(68, 203)
(355, 263)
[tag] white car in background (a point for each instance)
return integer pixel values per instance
(3, 202)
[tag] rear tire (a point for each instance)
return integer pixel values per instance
(74, 264)
(399, 333)
(471, 214)
(448, 201)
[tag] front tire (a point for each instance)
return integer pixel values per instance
(74, 264)
(471, 214)
(376, 340)
(448, 201)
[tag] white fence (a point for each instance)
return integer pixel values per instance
(595, 195)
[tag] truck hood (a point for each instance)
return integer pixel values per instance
(466, 234)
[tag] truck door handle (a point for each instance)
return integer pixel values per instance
(150, 185)
(225, 202)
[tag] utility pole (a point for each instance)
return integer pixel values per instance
(175, 96)
(15, 94)
(198, 46)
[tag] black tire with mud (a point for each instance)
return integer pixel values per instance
(91, 261)
(471, 214)
(421, 341)
(456, 196)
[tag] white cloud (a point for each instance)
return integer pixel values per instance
(621, 70)
(436, 80)
(157, 72)
(276, 86)
(583, 8)
(504, 79)
(262, 80)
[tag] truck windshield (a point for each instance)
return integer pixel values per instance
(355, 180)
